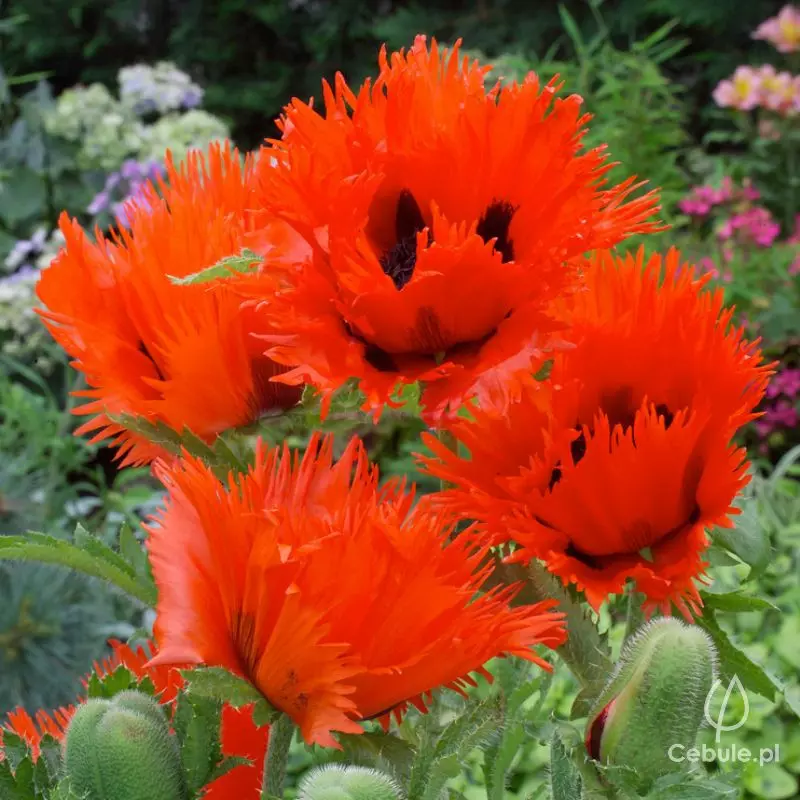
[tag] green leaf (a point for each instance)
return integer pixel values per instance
(680, 786)
(197, 723)
(227, 764)
(15, 748)
(220, 455)
(93, 558)
(439, 756)
(384, 751)
(733, 661)
(133, 551)
(736, 601)
(747, 540)
(586, 652)
(217, 683)
(244, 263)
(565, 779)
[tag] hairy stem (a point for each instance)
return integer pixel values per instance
(280, 738)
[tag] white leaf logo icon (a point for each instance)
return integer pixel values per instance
(718, 724)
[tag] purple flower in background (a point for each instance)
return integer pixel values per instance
(787, 382)
(123, 186)
(24, 251)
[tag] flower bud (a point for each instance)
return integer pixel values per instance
(122, 749)
(654, 700)
(335, 782)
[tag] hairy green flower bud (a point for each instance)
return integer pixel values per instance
(654, 700)
(335, 782)
(121, 749)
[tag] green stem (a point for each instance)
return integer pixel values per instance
(281, 733)
(585, 652)
(448, 439)
(635, 616)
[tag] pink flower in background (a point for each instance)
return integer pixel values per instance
(776, 90)
(741, 91)
(755, 225)
(703, 198)
(782, 414)
(783, 31)
(787, 382)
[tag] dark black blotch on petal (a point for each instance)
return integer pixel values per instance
(400, 261)
(379, 359)
(663, 411)
(494, 224)
(577, 448)
(149, 356)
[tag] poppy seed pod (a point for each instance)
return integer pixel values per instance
(654, 701)
(122, 748)
(334, 782)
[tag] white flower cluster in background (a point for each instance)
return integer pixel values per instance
(159, 88)
(22, 335)
(156, 110)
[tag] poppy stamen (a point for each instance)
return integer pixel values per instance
(494, 224)
(400, 261)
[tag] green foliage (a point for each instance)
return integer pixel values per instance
(123, 748)
(215, 683)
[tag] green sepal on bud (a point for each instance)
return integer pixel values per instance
(654, 700)
(122, 749)
(337, 782)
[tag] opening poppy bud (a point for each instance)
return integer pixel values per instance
(335, 782)
(122, 748)
(654, 699)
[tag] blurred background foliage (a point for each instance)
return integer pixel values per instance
(93, 91)
(254, 55)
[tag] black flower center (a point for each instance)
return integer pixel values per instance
(578, 445)
(494, 224)
(400, 261)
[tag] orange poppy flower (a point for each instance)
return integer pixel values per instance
(617, 467)
(182, 355)
(336, 598)
(239, 734)
(442, 218)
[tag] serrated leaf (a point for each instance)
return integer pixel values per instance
(565, 778)
(736, 601)
(197, 725)
(219, 455)
(680, 786)
(120, 680)
(227, 764)
(15, 748)
(132, 550)
(747, 540)
(24, 785)
(380, 750)
(734, 662)
(217, 683)
(50, 757)
(586, 652)
(437, 754)
(96, 560)
(230, 266)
